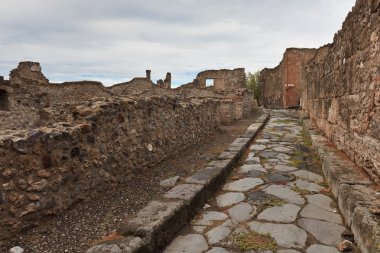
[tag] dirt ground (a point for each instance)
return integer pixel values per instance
(78, 228)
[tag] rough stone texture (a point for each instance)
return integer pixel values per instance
(285, 193)
(321, 201)
(209, 217)
(321, 248)
(241, 212)
(229, 199)
(224, 79)
(286, 235)
(314, 212)
(191, 243)
(309, 176)
(244, 184)
(286, 213)
(325, 232)
(170, 182)
(217, 234)
(338, 84)
(64, 143)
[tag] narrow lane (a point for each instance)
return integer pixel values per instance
(276, 201)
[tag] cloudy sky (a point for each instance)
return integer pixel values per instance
(115, 40)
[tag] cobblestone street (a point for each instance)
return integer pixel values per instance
(275, 201)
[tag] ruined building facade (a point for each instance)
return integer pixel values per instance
(339, 85)
(63, 143)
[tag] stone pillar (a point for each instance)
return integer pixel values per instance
(148, 75)
(168, 81)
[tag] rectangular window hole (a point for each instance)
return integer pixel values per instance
(210, 82)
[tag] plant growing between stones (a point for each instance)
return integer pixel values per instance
(255, 241)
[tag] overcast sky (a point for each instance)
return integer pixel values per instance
(115, 40)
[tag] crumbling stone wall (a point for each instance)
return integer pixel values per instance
(45, 170)
(340, 86)
(223, 79)
(62, 143)
(343, 87)
(282, 86)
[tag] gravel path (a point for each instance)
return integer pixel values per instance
(276, 201)
(86, 222)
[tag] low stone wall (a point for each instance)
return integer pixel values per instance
(45, 170)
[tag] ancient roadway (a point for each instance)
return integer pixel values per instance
(274, 201)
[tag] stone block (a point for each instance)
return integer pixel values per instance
(156, 223)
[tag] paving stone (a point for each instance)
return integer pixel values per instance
(282, 149)
(309, 176)
(262, 140)
(229, 199)
(325, 232)
(268, 154)
(283, 157)
(284, 168)
(218, 250)
(315, 212)
(255, 173)
(183, 191)
(256, 147)
(321, 248)
(286, 213)
(248, 167)
(252, 160)
(209, 217)
(278, 178)
(199, 229)
(170, 182)
(244, 184)
(285, 193)
(258, 196)
(305, 185)
(286, 235)
(321, 201)
(241, 212)
(218, 234)
(192, 243)
(289, 251)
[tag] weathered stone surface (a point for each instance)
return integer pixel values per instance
(155, 214)
(192, 243)
(244, 184)
(241, 212)
(184, 191)
(105, 248)
(314, 212)
(309, 176)
(286, 235)
(229, 199)
(325, 232)
(218, 250)
(209, 217)
(217, 234)
(282, 149)
(284, 192)
(288, 251)
(284, 168)
(278, 178)
(286, 213)
(321, 248)
(205, 176)
(258, 147)
(170, 182)
(305, 185)
(321, 201)
(249, 167)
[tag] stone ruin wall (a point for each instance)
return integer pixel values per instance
(343, 88)
(282, 85)
(64, 143)
(340, 87)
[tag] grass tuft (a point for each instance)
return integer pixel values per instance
(255, 241)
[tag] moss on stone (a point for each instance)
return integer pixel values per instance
(275, 202)
(255, 241)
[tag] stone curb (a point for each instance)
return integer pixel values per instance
(353, 189)
(154, 226)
